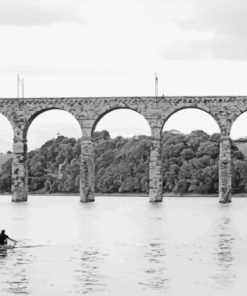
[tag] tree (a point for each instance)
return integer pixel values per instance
(189, 164)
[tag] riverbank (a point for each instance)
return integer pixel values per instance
(132, 194)
(143, 194)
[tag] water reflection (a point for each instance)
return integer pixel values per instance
(223, 253)
(155, 274)
(125, 246)
(88, 276)
(3, 254)
(14, 278)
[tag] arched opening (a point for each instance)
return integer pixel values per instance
(239, 154)
(6, 140)
(190, 153)
(53, 139)
(122, 141)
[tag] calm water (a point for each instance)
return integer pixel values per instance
(125, 245)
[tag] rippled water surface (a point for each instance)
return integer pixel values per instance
(124, 246)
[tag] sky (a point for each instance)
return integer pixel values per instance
(114, 48)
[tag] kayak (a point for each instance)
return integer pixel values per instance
(3, 248)
(6, 247)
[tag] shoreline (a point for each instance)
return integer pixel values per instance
(141, 194)
(132, 194)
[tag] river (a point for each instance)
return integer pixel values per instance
(124, 246)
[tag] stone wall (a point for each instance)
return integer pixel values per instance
(88, 111)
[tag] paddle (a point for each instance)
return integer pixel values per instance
(21, 246)
(28, 246)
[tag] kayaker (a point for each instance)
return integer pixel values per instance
(4, 238)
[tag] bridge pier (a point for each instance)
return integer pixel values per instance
(155, 169)
(225, 170)
(19, 171)
(87, 179)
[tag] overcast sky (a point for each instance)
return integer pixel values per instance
(114, 48)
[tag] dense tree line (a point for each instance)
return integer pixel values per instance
(189, 164)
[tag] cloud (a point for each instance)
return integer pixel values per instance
(27, 13)
(217, 29)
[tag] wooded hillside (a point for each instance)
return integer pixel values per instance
(189, 165)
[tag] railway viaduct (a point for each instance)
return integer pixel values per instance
(89, 110)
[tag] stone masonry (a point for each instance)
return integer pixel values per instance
(88, 111)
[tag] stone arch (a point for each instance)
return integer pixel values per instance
(20, 160)
(101, 115)
(122, 180)
(169, 115)
(9, 118)
(236, 118)
(239, 128)
(34, 115)
(188, 184)
(236, 111)
(9, 122)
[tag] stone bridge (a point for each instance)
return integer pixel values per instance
(88, 111)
